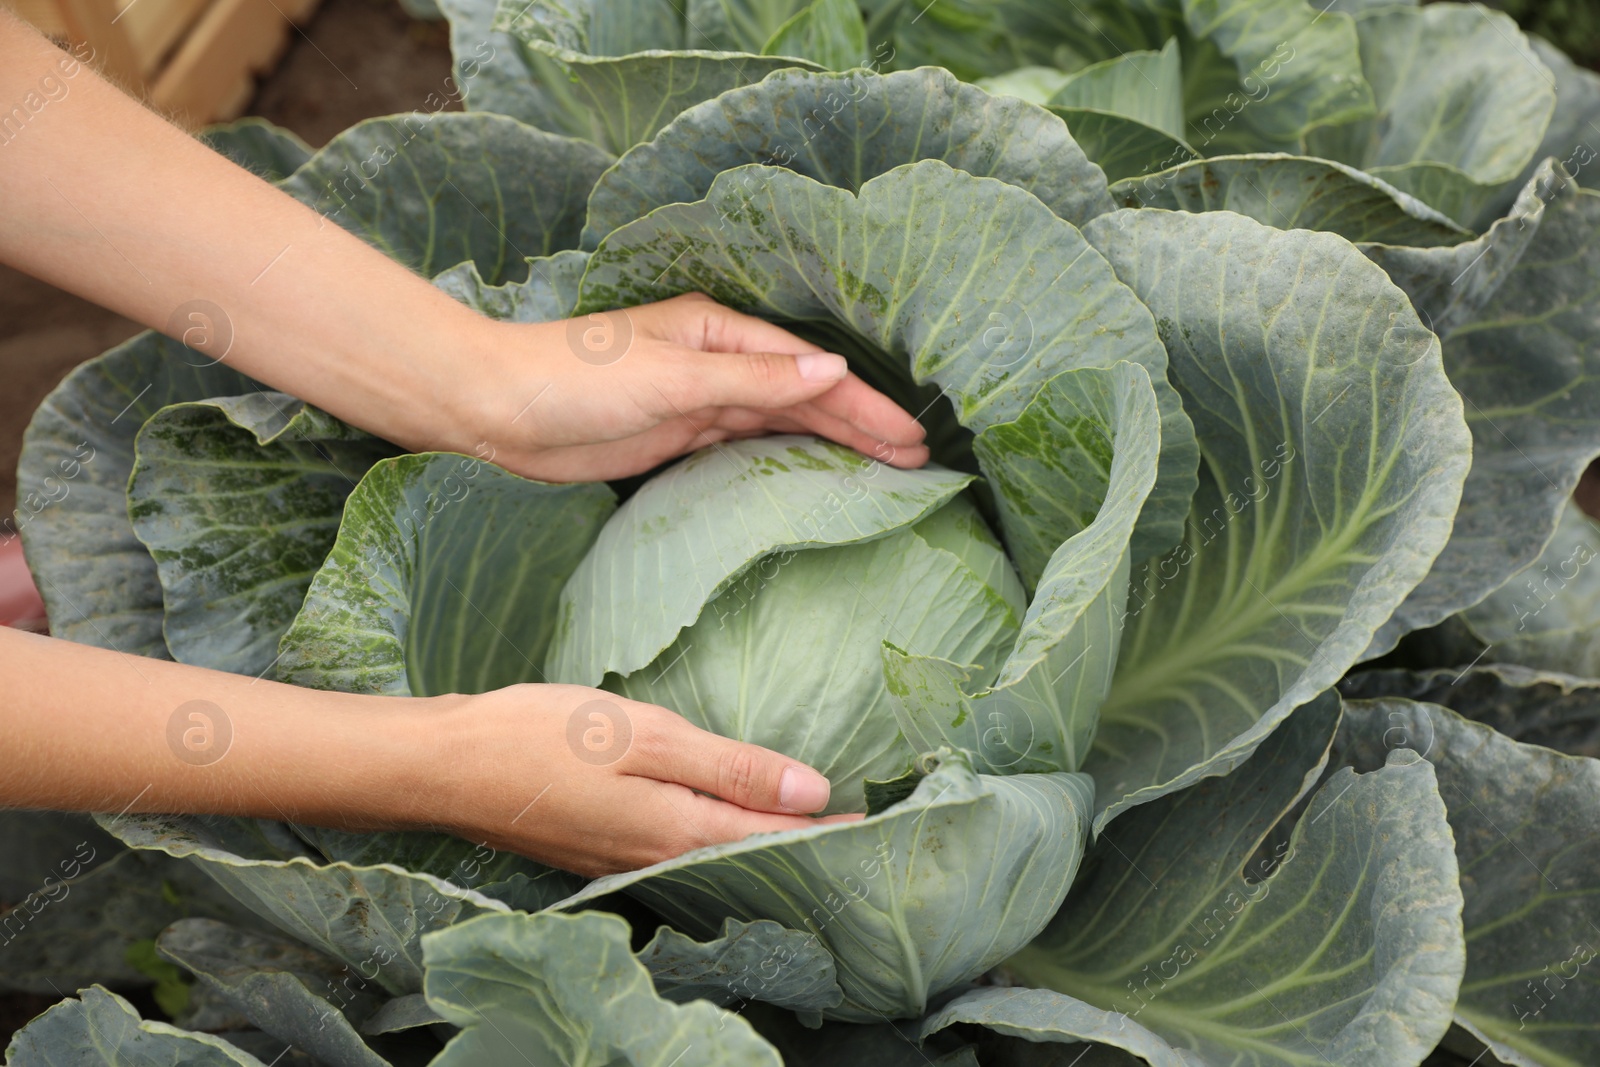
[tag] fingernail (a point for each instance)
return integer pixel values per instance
(821, 366)
(802, 790)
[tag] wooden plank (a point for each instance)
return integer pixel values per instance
(234, 39)
(96, 23)
(154, 27)
(216, 47)
(43, 15)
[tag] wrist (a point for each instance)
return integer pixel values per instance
(476, 391)
(412, 779)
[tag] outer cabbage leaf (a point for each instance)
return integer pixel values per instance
(1548, 617)
(635, 64)
(1036, 85)
(100, 1029)
(281, 987)
(935, 890)
(1448, 274)
(1295, 192)
(759, 960)
(553, 988)
(497, 72)
(1126, 112)
(881, 1044)
(1257, 75)
(512, 879)
(549, 293)
(666, 554)
(1534, 707)
(1450, 286)
(1525, 822)
(445, 187)
(1343, 946)
(269, 151)
(440, 553)
(828, 32)
(401, 1013)
(1144, 86)
(371, 918)
(1334, 453)
(1572, 138)
(1070, 476)
(1529, 374)
(844, 129)
(1462, 104)
(1120, 146)
(906, 275)
(98, 581)
(238, 499)
(77, 901)
(1295, 67)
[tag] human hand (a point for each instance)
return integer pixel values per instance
(594, 783)
(618, 394)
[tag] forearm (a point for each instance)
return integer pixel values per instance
(95, 178)
(91, 730)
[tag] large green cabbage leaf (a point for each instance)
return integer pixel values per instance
(100, 1029)
(1525, 823)
(370, 918)
(1462, 104)
(435, 550)
(879, 894)
(843, 130)
(1525, 367)
(1069, 475)
(238, 499)
(1333, 455)
(553, 988)
(635, 64)
(1186, 944)
(900, 278)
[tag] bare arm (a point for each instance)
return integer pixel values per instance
(104, 198)
(93, 730)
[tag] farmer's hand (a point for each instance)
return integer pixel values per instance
(594, 783)
(106, 199)
(617, 394)
(575, 777)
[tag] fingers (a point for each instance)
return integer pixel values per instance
(668, 748)
(666, 820)
(687, 380)
(858, 404)
(812, 418)
(697, 321)
(814, 390)
(709, 821)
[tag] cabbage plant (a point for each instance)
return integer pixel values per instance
(1238, 375)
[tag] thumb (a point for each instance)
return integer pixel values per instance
(749, 379)
(747, 775)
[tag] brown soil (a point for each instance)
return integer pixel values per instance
(353, 60)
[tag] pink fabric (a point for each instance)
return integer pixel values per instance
(20, 605)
